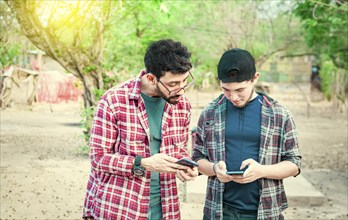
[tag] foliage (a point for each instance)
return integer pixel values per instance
(8, 54)
(327, 77)
(69, 33)
(325, 25)
(147, 21)
(247, 24)
(130, 31)
(103, 42)
(334, 81)
(86, 124)
(125, 28)
(12, 43)
(326, 28)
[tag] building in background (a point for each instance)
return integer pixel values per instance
(38, 78)
(287, 69)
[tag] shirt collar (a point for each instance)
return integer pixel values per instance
(135, 93)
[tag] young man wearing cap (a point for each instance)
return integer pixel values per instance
(243, 130)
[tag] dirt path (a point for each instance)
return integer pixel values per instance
(44, 177)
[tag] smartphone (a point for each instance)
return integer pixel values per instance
(187, 162)
(236, 172)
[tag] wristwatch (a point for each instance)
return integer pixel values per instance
(138, 170)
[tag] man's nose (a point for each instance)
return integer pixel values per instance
(181, 92)
(233, 96)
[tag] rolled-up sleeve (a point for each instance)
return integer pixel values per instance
(290, 145)
(199, 150)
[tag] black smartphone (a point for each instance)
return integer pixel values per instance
(236, 172)
(187, 162)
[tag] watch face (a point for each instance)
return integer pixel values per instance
(138, 171)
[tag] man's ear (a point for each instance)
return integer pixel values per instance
(151, 78)
(256, 77)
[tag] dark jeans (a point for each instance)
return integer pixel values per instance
(230, 213)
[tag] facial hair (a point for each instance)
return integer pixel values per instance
(251, 95)
(167, 99)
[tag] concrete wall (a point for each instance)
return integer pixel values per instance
(295, 69)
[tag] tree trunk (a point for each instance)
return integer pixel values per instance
(85, 65)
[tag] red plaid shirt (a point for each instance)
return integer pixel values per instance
(120, 132)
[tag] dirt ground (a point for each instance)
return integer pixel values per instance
(43, 176)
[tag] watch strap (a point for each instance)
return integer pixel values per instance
(137, 161)
(138, 170)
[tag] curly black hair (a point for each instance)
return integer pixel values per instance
(167, 55)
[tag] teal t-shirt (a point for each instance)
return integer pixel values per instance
(154, 110)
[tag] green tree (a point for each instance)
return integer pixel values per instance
(265, 28)
(8, 54)
(11, 42)
(70, 33)
(130, 32)
(103, 42)
(325, 26)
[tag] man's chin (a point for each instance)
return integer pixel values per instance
(240, 105)
(174, 100)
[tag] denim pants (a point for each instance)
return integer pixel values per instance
(155, 212)
(230, 213)
(233, 214)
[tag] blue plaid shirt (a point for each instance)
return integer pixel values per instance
(278, 142)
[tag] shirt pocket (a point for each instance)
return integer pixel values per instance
(133, 143)
(210, 136)
(179, 142)
(209, 131)
(208, 125)
(173, 145)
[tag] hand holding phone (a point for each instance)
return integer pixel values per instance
(187, 162)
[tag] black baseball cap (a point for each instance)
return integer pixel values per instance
(236, 65)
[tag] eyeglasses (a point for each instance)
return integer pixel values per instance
(190, 83)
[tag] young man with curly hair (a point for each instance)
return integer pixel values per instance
(140, 130)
